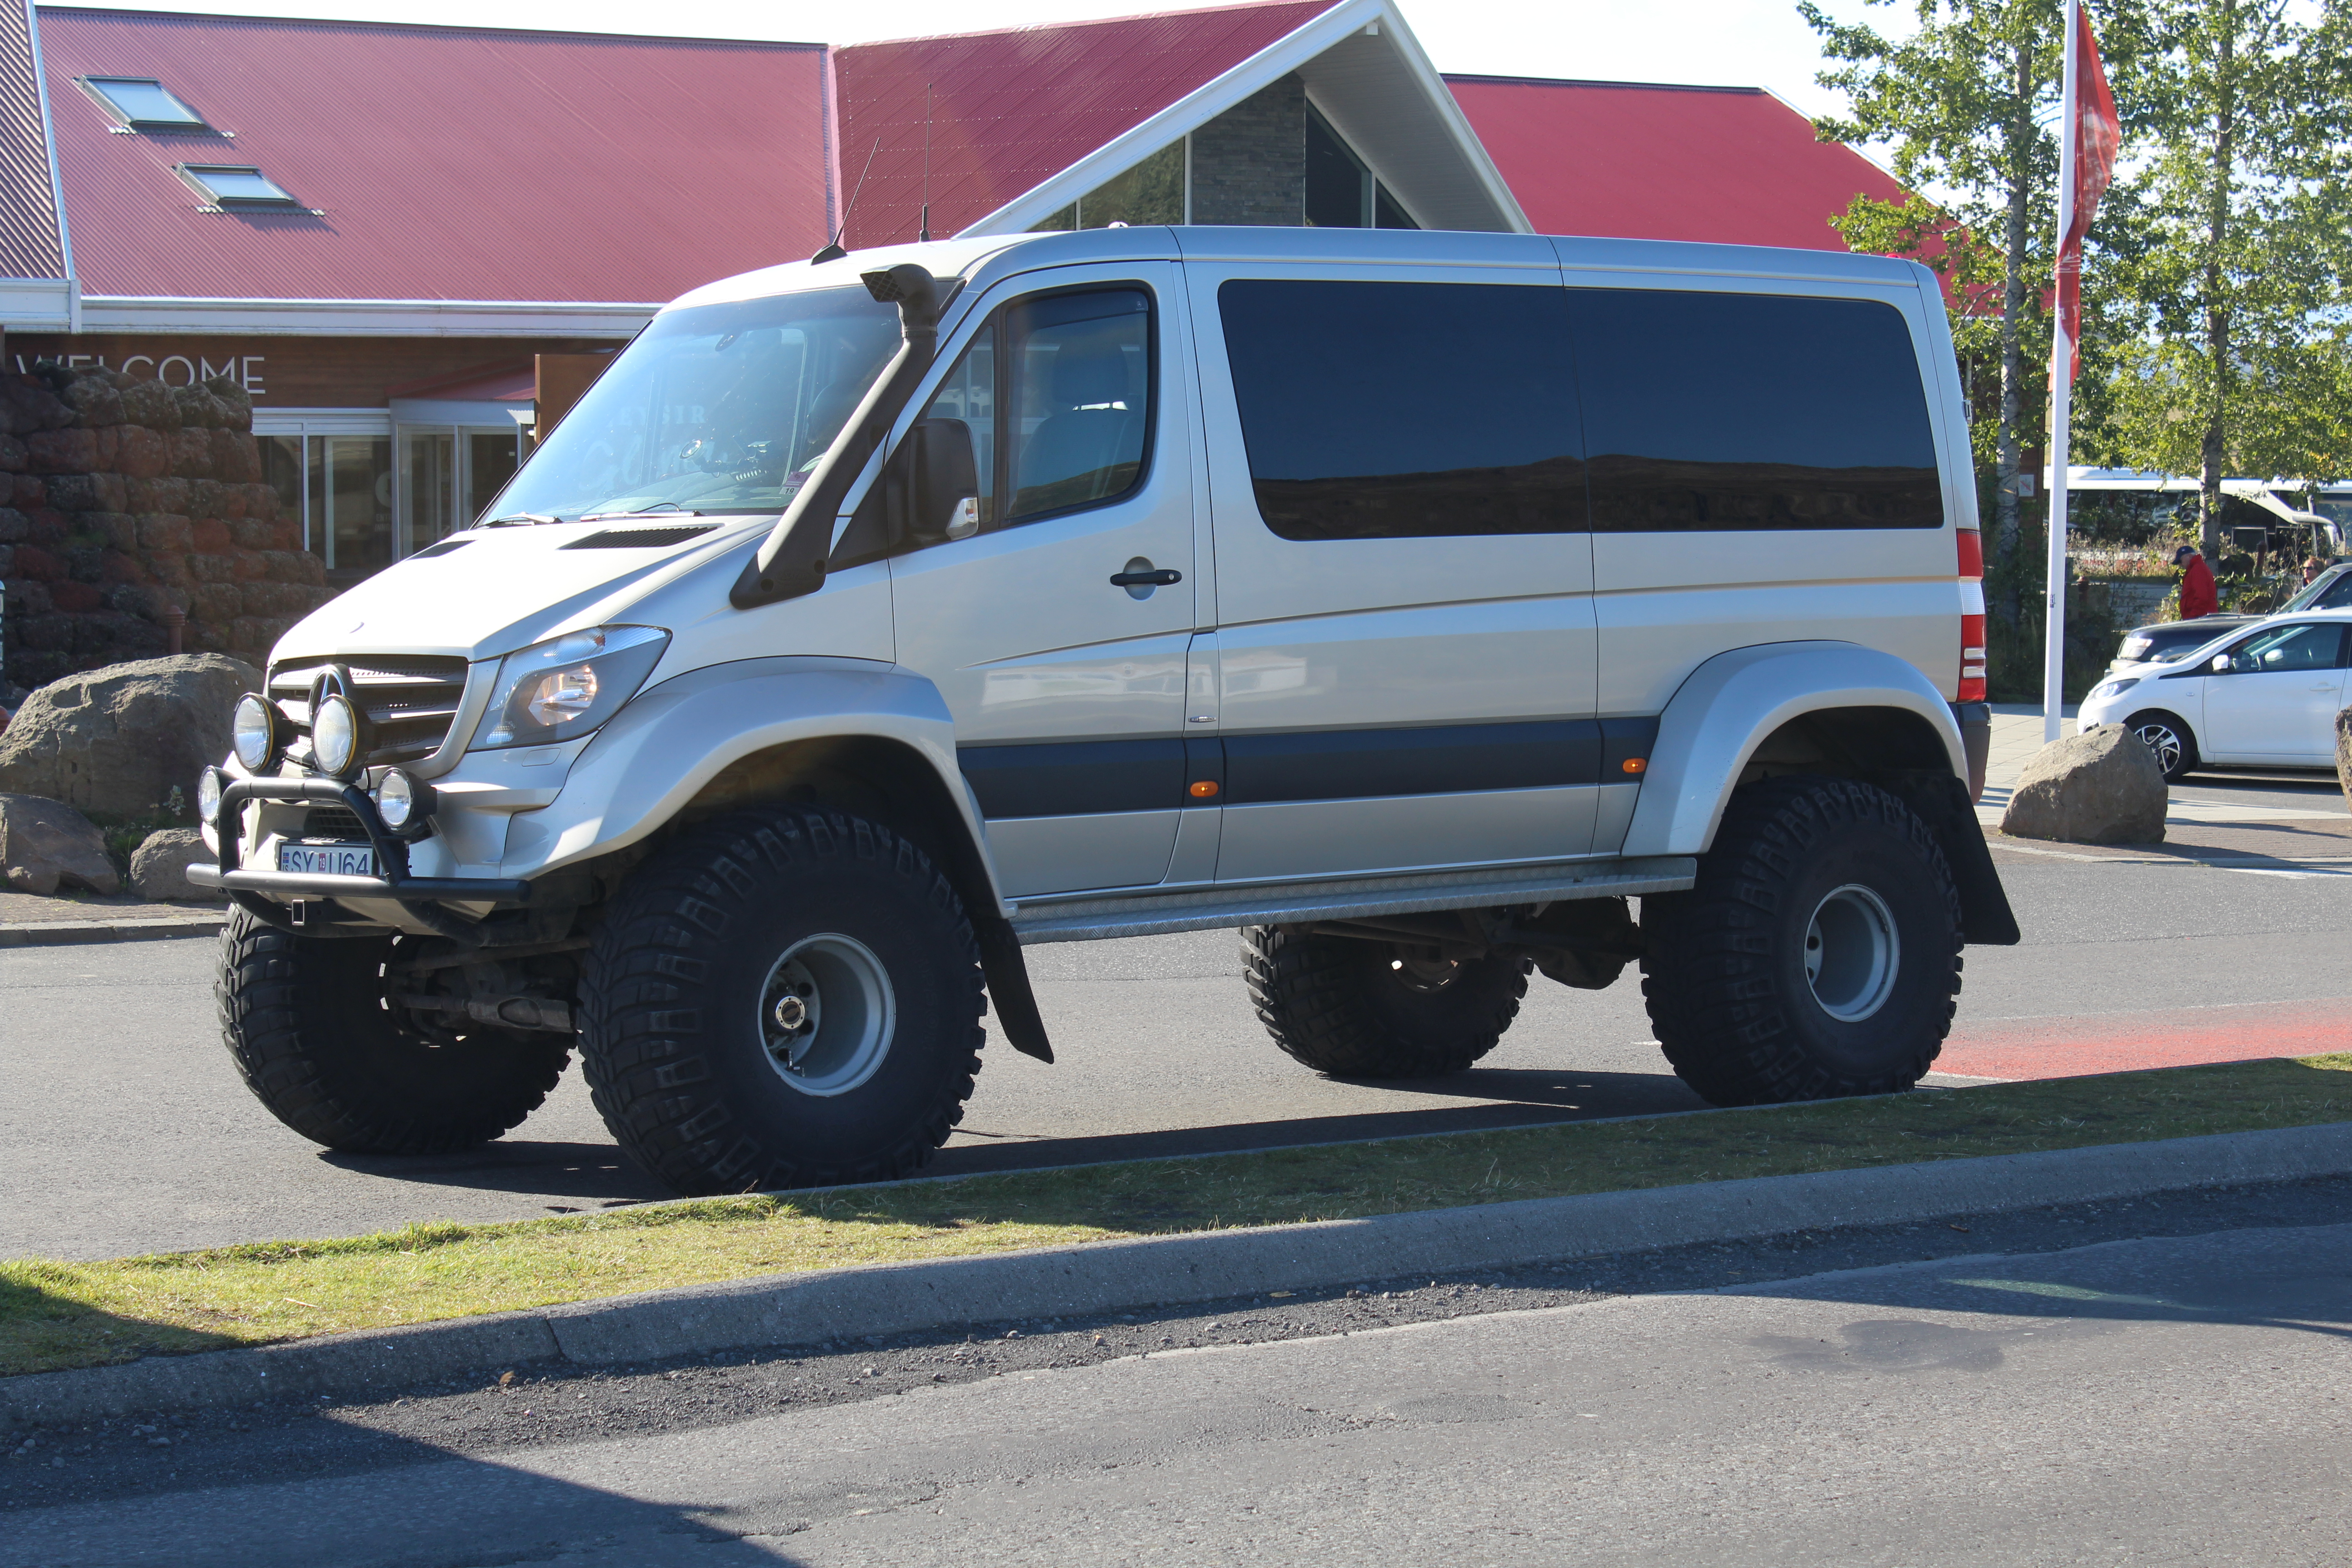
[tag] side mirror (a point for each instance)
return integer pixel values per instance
(934, 484)
(2220, 664)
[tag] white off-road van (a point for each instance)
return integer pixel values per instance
(1412, 600)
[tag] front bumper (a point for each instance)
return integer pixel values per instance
(294, 887)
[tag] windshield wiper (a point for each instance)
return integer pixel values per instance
(518, 518)
(660, 509)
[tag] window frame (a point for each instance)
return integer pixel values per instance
(993, 325)
(94, 88)
(193, 176)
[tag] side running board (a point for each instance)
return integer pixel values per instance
(1039, 921)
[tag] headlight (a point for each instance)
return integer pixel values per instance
(2115, 688)
(208, 796)
(255, 732)
(562, 689)
(335, 735)
(400, 800)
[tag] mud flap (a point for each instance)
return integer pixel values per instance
(1942, 801)
(1007, 975)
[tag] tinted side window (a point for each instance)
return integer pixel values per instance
(1401, 410)
(1707, 412)
(1079, 370)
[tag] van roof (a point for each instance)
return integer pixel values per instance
(970, 257)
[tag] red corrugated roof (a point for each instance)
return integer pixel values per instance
(1010, 110)
(451, 163)
(30, 245)
(1725, 165)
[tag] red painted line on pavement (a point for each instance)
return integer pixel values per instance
(2127, 1042)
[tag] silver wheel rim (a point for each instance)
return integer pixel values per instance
(826, 1013)
(1852, 954)
(2161, 740)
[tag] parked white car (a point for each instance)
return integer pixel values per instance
(2259, 696)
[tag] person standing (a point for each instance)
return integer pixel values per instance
(2199, 598)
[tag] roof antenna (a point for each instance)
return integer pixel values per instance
(832, 250)
(925, 233)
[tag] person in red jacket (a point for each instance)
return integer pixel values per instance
(2198, 596)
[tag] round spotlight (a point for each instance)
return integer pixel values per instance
(208, 796)
(335, 735)
(401, 801)
(255, 732)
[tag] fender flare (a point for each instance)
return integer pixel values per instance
(627, 782)
(1730, 705)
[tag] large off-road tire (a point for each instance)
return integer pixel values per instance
(2171, 741)
(784, 997)
(1364, 1009)
(1818, 954)
(305, 1021)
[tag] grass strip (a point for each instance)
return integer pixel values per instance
(57, 1315)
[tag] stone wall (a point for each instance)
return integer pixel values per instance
(122, 499)
(1249, 163)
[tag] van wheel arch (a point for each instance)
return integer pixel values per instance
(892, 783)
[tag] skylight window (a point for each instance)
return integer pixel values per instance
(142, 103)
(227, 186)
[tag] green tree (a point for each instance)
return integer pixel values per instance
(1966, 101)
(2223, 315)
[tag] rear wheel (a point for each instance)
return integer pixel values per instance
(1372, 1009)
(306, 1021)
(1818, 954)
(2174, 747)
(785, 997)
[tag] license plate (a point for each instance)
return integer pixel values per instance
(327, 859)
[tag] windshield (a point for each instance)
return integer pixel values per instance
(719, 408)
(2331, 590)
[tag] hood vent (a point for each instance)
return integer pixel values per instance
(641, 538)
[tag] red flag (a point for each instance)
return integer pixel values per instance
(2097, 132)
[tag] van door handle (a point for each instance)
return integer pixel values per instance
(1164, 577)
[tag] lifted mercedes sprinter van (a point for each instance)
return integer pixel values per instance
(1414, 602)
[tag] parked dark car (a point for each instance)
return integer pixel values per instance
(2164, 641)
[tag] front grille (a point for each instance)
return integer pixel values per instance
(332, 822)
(409, 699)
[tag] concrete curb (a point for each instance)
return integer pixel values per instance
(1104, 1277)
(69, 933)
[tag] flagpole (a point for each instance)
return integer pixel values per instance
(2053, 651)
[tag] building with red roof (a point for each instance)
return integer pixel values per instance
(397, 237)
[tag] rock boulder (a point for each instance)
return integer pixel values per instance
(2102, 786)
(2344, 753)
(44, 844)
(159, 867)
(112, 741)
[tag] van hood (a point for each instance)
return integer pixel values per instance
(489, 591)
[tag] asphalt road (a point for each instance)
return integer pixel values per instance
(124, 1129)
(2155, 1383)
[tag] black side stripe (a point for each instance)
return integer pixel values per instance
(1076, 778)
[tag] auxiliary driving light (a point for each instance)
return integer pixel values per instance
(255, 731)
(401, 801)
(335, 735)
(208, 796)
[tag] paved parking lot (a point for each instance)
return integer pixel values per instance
(125, 1130)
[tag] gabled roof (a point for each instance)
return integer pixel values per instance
(1027, 121)
(444, 163)
(32, 242)
(1730, 165)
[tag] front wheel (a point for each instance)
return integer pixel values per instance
(786, 997)
(1817, 955)
(2169, 740)
(307, 1022)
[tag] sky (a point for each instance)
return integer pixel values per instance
(1733, 43)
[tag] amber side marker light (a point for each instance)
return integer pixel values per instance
(1634, 765)
(1204, 789)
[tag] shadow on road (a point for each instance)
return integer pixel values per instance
(595, 1173)
(1530, 1097)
